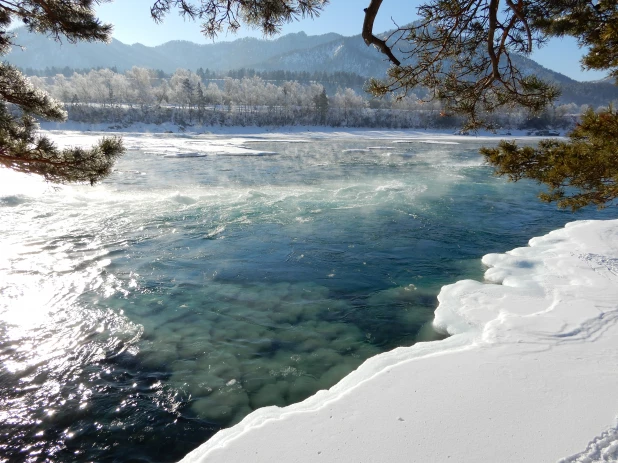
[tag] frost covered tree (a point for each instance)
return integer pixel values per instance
(183, 84)
(21, 148)
(320, 99)
(140, 82)
(348, 100)
(213, 94)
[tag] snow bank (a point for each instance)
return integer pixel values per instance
(529, 374)
(290, 134)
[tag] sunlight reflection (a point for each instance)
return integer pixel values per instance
(50, 333)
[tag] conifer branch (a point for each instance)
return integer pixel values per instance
(370, 15)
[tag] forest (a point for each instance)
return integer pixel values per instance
(251, 98)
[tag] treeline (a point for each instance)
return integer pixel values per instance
(581, 93)
(590, 93)
(327, 79)
(189, 98)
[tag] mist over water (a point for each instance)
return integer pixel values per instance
(208, 277)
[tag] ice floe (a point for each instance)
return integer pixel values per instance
(528, 373)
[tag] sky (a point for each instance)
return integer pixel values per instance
(133, 24)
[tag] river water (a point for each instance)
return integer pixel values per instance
(210, 276)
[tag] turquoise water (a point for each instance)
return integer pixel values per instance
(140, 316)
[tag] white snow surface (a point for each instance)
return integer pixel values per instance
(291, 134)
(529, 374)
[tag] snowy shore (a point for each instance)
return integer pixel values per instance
(278, 131)
(529, 373)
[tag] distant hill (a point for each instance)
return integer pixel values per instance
(41, 52)
(293, 52)
(349, 54)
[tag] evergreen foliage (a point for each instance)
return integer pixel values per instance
(579, 172)
(321, 105)
(226, 15)
(465, 51)
(21, 148)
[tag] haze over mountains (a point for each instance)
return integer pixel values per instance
(331, 52)
(293, 52)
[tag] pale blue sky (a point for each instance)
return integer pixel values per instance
(132, 23)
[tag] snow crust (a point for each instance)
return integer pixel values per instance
(529, 373)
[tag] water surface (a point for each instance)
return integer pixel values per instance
(140, 316)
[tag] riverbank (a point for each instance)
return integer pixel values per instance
(529, 373)
(266, 131)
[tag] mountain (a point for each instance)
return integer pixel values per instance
(349, 54)
(293, 52)
(41, 52)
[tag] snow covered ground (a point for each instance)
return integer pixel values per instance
(293, 130)
(530, 373)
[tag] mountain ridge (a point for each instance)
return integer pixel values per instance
(41, 52)
(291, 52)
(330, 52)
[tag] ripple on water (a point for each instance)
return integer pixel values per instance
(140, 316)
